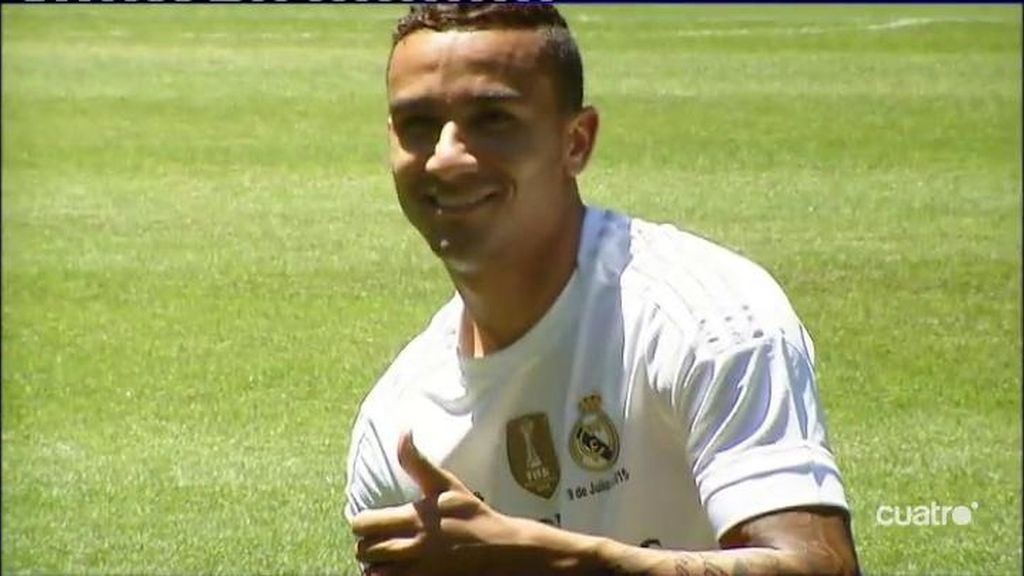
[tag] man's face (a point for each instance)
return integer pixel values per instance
(480, 150)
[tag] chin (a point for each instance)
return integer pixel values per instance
(458, 259)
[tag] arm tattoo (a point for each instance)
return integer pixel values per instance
(718, 564)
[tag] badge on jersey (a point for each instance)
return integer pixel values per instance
(531, 454)
(594, 442)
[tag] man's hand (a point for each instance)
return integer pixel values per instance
(450, 531)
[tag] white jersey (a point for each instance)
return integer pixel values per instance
(667, 395)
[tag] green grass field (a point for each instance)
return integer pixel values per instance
(204, 267)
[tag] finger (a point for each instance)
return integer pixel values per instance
(396, 521)
(377, 550)
(385, 570)
(431, 479)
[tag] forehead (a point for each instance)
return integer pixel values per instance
(457, 63)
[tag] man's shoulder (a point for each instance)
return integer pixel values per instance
(695, 283)
(428, 352)
(657, 250)
(666, 254)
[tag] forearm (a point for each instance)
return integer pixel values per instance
(565, 553)
(620, 559)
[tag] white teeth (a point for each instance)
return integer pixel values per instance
(455, 202)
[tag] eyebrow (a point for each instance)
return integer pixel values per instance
(485, 96)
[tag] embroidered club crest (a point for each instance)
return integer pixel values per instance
(531, 454)
(594, 442)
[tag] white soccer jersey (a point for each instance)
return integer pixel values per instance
(667, 395)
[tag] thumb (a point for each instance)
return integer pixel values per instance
(431, 479)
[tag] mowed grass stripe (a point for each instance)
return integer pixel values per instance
(205, 268)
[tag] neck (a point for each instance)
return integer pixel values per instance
(509, 296)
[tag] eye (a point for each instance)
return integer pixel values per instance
(417, 126)
(494, 119)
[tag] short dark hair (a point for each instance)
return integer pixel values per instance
(561, 52)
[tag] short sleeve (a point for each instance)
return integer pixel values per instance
(757, 436)
(371, 478)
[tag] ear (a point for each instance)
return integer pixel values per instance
(582, 135)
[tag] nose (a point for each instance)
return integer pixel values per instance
(451, 157)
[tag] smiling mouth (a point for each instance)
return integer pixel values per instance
(456, 203)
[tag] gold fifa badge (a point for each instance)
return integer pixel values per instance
(594, 443)
(531, 454)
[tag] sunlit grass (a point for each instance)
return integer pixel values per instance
(204, 268)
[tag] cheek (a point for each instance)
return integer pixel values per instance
(405, 167)
(404, 189)
(525, 157)
(398, 156)
(547, 152)
(403, 160)
(404, 192)
(544, 166)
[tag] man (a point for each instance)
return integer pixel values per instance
(602, 395)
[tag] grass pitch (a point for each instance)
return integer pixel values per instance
(204, 267)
